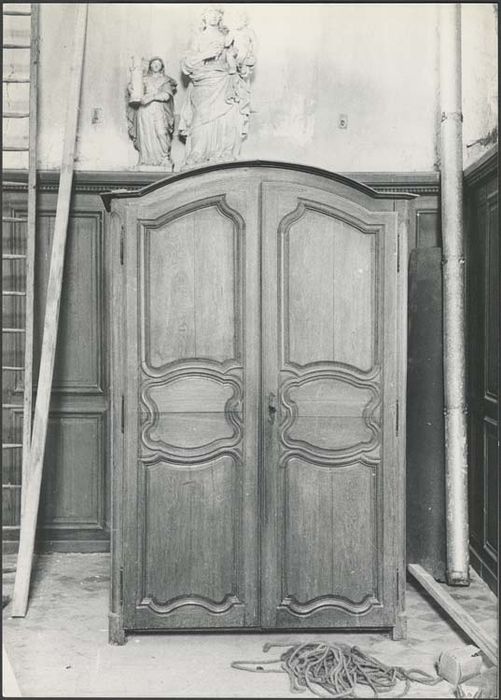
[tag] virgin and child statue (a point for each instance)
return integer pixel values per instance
(215, 115)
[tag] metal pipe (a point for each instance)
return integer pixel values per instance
(451, 154)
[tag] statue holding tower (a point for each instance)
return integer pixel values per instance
(150, 113)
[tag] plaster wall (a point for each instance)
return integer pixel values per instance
(480, 78)
(374, 63)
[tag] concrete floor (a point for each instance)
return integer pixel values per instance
(61, 648)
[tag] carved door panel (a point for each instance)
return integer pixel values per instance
(190, 519)
(330, 455)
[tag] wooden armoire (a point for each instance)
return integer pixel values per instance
(258, 432)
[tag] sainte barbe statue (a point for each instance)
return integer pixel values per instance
(150, 114)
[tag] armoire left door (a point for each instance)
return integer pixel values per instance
(190, 418)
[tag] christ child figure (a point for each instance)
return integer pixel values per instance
(240, 44)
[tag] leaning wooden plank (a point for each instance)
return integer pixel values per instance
(484, 641)
(41, 417)
(30, 248)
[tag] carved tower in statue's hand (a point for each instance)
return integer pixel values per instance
(150, 114)
(136, 85)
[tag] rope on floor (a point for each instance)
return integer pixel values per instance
(334, 670)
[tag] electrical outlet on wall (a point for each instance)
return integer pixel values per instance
(97, 115)
(343, 121)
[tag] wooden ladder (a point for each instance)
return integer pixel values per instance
(23, 20)
(36, 437)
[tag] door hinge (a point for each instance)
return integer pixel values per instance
(121, 585)
(122, 414)
(398, 252)
(397, 417)
(122, 239)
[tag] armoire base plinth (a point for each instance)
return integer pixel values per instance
(116, 633)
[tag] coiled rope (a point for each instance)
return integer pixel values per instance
(334, 670)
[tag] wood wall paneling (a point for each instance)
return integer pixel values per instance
(425, 393)
(428, 228)
(483, 313)
(426, 520)
(73, 491)
(74, 505)
(79, 363)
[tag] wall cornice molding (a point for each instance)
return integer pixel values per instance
(421, 183)
(484, 167)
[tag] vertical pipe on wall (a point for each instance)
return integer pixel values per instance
(451, 156)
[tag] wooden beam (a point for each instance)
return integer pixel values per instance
(30, 248)
(483, 640)
(41, 418)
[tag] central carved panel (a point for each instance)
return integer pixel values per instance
(193, 412)
(328, 413)
(331, 414)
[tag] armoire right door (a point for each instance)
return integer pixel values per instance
(330, 472)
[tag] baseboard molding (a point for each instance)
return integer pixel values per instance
(63, 541)
(63, 546)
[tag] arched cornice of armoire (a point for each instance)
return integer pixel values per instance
(251, 164)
